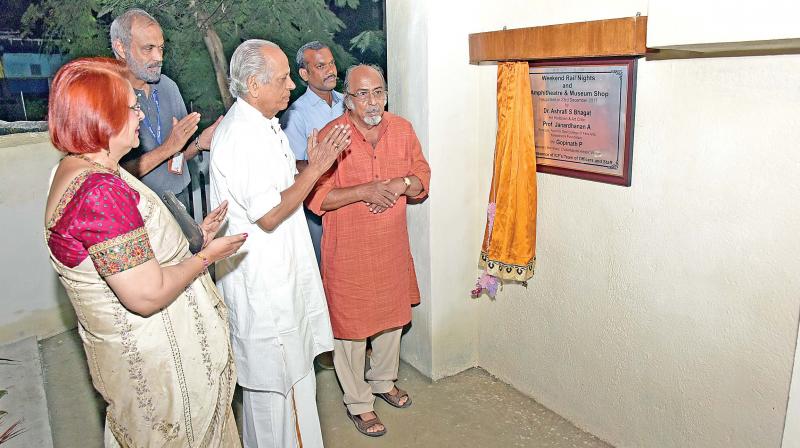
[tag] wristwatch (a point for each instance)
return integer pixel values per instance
(407, 181)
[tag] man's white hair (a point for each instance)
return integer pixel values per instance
(121, 27)
(248, 60)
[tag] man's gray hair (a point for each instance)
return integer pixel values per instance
(248, 60)
(315, 45)
(349, 72)
(121, 27)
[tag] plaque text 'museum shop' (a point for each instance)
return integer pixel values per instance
(582, 118)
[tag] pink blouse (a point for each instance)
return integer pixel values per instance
(98, 217)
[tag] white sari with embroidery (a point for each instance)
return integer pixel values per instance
(169, 378)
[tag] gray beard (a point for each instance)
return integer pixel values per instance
(140, 70)
(373, 120)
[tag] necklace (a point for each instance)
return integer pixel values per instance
(95, 164)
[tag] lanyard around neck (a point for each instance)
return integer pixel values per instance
(157, 132)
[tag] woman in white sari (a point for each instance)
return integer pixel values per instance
(152, 323)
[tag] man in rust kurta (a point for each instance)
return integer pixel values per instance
(367, 269)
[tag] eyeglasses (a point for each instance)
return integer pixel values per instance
(363, 95)
(136, 107)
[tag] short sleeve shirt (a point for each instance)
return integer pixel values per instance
(170, 104)
(97, 217)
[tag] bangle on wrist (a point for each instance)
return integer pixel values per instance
(407, 181)
(204, 259)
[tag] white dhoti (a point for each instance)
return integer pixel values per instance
(274, 420)
(276, 302)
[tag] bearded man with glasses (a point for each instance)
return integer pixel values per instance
(367, 269)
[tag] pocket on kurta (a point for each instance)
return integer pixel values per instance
(287, 310)
(259, 363)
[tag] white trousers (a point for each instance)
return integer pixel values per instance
(272, 420)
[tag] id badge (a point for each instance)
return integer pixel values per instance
(175, 164)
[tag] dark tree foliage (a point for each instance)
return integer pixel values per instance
(365, 37)
(201, 35)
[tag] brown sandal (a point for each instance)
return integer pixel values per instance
(394, 400)
(363, 425)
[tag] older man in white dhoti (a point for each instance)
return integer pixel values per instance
(278, 314)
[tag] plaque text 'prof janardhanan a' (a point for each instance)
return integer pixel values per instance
(583, 118)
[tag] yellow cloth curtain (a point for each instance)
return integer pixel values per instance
(509, 242)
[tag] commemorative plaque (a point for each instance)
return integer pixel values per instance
(583, 118)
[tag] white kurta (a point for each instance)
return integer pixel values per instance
(278, 313)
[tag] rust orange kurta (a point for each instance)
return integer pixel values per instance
(367, 269)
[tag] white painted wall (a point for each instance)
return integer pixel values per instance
(443, 337)
(665, 314)
(660, 315)
(674, 23)
(791, 429)
(32, 299)
(408, 89)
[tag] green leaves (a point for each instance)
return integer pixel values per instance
(353, 4)
(71, 27)
(369, 42)
(80, 28)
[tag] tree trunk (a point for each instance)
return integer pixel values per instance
(215, 51)
(214, 47)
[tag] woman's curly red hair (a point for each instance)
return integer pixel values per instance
(88, 104)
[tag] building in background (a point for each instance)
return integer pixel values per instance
(26, 68)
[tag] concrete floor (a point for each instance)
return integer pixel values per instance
(469, 410)
(23, 405)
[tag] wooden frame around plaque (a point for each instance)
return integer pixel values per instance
(583, 118)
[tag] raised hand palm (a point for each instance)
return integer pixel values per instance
(212, 222)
